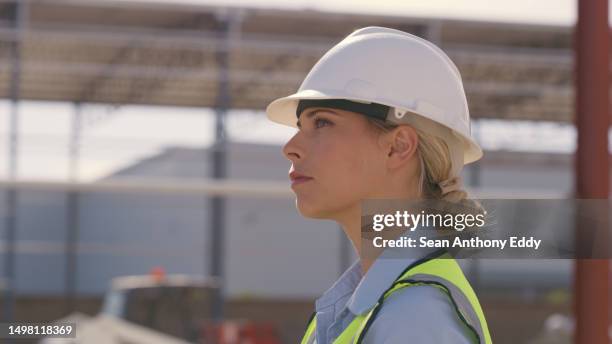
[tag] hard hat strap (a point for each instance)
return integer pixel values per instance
(374, 110)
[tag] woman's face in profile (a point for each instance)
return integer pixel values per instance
(338, 151)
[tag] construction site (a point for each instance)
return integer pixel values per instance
(146, 197)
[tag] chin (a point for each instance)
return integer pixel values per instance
(311, 211)
(321, 210)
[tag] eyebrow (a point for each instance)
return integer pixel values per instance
(313, 112)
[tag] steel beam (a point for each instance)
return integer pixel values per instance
(591, 277)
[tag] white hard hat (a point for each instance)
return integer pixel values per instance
(393, 75)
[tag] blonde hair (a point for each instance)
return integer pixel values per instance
(436, 166)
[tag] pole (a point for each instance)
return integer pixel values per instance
(72, 214)
(217, 206)
(591, 277)
(20, 19)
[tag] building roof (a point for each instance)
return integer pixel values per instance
(127, 52)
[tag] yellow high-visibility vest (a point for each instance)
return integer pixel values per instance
(441, 271)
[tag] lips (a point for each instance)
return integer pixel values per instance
(298, 178)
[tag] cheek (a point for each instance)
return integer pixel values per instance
(345, 172)
(350, 170)
(362, 171)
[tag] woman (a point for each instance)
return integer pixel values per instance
(383, 115)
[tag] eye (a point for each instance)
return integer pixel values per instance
(321, 122)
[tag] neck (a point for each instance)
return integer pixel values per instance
(350, 221)
(351, 225)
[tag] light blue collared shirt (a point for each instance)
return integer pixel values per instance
(419, 314)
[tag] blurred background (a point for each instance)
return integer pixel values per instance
(145, 195)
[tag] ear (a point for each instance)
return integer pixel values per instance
(403, 146)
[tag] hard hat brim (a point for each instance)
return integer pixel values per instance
(283, 110)
(472, 152)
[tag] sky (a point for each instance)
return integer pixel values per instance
(119, 137)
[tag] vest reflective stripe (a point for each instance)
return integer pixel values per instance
(446, 268)
(460, 301)
(442, 272)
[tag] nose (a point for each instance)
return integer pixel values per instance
(292, 149)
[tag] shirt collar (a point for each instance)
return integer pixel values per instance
(343, 286)
(381, 275)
